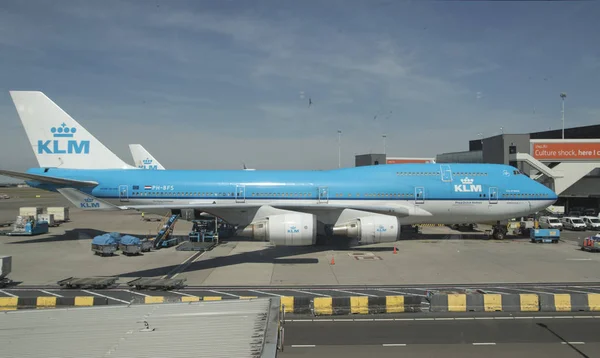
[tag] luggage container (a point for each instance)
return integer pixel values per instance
(147, 245)
(130, 245)
(31, 211)
(61, 214)
(49, 218)
(104, 245)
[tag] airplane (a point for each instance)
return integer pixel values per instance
(283, 207)
(143, 159)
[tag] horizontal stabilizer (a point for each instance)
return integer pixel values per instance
(85, 201)
(48, 179)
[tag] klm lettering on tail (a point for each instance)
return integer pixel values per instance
(467, 186)
(88, 203)
(147, 164)
(63, 146)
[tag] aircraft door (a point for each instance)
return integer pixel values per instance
(446, 173)
(323, 194)
(493, 194)
(240, 193)
(419, 195)
(123, 193)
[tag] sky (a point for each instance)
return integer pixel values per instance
(215, 84)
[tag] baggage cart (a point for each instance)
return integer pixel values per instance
(591, 243)
(61, 214)
(104, 245)
(147, 245)
(130, 245)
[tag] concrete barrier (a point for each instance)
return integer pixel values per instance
(365, 305)
(570, 302)
(14, 303)
(484, 303)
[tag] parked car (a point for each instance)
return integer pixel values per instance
(591, 222)
(550, 222)
(573, 223)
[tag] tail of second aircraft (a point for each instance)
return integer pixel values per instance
(143, 159)
(57, 140)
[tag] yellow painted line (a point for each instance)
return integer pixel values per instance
(457, 302)
(84, 301)
(154, 299)
(594, 301)
(288, 302)
(212, 298)
(529, 302)
(247, 297)
(492, 302)
(323, 305)
(394, 304)
(562, 302)
(359, 304)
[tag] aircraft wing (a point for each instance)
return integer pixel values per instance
(48, 179)
(400, 209)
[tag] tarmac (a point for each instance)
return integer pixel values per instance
(436, 258)
(453, 336)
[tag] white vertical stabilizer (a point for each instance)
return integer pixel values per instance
(143, 159)
(57, 140)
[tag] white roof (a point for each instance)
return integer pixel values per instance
(228, 328)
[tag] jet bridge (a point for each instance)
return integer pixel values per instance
(561, 163)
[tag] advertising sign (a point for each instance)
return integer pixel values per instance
(565, 151)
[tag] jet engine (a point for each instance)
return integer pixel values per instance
(296, 229)
(370, 229)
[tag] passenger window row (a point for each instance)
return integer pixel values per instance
(470, 174)
(418, 173)
(520, 195)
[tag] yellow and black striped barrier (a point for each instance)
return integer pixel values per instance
(570, 302)
(484, 303)
(365, 305)
(14, 303)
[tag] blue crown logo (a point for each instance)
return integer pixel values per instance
(88, 200)
(63, 131)
(147, 161)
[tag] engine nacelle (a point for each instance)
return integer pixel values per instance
(284, 229)
(370, 229)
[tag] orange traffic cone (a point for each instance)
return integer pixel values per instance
(395, 252)
(332, 261)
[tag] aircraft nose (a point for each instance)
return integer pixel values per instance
(549, 197)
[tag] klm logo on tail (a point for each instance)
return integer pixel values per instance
(61, 144)
(467, 186)
(146, 164)
(88, 203)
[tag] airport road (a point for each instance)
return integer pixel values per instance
(123, 294)
(526, 337)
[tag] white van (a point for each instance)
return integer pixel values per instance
(550, 222)
(572, 223)
(591, 222)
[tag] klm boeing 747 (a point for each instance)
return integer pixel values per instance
(285, 207)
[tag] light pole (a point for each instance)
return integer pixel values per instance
(563, 96)
(383, 136)
(339, 149)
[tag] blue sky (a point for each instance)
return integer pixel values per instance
(212, 84)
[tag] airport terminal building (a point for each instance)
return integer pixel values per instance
(570, 166)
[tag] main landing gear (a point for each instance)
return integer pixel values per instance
(499, 231)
